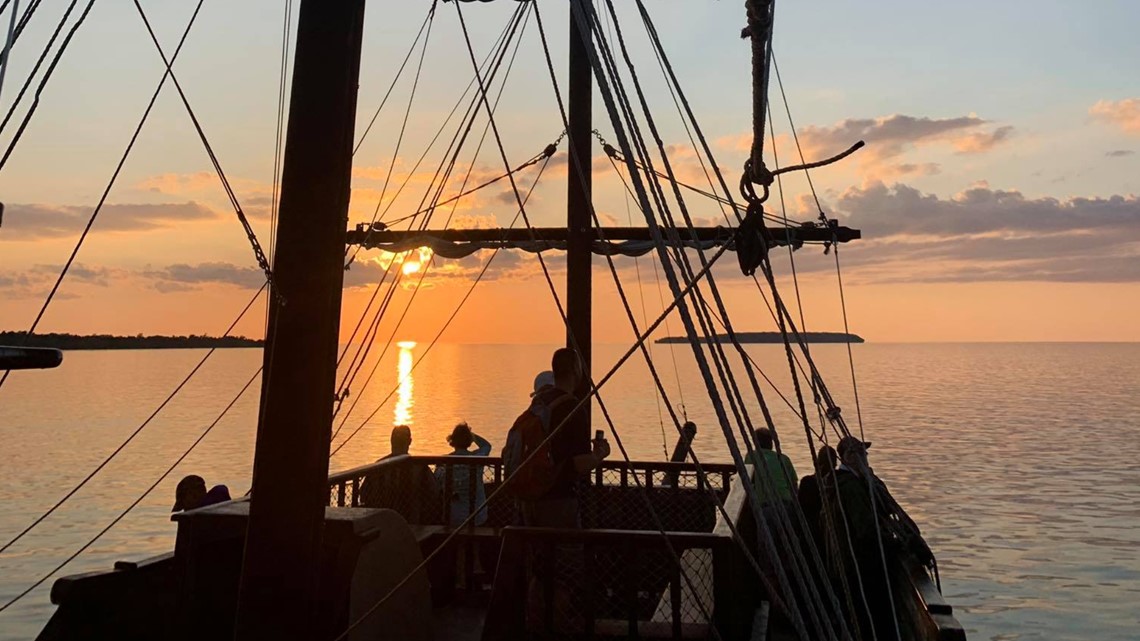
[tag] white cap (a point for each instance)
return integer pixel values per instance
(544, 379)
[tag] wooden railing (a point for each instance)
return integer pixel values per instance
(416, 486)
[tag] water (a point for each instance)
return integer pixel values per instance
(1019, 460)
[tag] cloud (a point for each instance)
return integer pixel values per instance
(888, 139)
(1122, 113)
(1119, 153)
(38, 221)
(982, 141)
(37, 280)
(182, 277)
(988, 234)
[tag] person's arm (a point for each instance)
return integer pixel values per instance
(482, 445)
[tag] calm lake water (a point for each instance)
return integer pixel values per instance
(1020, 461)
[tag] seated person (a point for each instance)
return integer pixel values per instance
(406, 487)
(463, 501)
(191, 494)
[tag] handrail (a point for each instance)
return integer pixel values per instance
(447, 459)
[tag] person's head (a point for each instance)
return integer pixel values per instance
(853, 452)
(567, 368)
(764, 438)
(543, 380)
(689, 431)
(825, 460)
(460, 437)
(401, 439)
(190, 493)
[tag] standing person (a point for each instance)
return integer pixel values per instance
(559, 448)
(406, 486)
(863, 558)
(774, 476)
(810, 493)
(459, 494)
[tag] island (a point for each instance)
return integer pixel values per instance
(774, 337)
(107, 341)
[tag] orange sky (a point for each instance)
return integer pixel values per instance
(988, 215)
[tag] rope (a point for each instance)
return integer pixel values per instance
(671, 277)
(43, 83)
(262, 261)
(114, 175)
(39, 62)
(134, 503)
(547, 154)
(403, 125)
(427, 19)
(8, 43)
(137, 430)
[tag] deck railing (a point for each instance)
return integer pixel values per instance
(683, 498)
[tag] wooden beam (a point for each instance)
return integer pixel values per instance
(377, 239)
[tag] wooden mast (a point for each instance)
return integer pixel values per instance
(580, 234)
(290, 472)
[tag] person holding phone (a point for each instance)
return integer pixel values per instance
(571, 450)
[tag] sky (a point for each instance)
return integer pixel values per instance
(996, 192)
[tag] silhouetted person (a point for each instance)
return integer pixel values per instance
(859, 539)
(460, 493)
(571, 451)
(810, 493)
(774, 476)
(191, 494)
(407, 487)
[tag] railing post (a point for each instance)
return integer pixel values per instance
(356, 492)
(340, 494)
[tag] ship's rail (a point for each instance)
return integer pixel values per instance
(413, 485)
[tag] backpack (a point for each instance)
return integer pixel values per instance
(526, 437)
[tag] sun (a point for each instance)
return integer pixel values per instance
(411, 267)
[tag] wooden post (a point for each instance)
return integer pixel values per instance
(280, 566)
(580, 234)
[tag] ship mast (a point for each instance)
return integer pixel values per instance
(279, 574)
(579, 183)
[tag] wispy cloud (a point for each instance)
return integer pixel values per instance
(889, 139)
(37, 221)
(1122, 113)
(988, 234)
(1119, 153)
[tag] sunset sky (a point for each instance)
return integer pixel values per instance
(996, 194)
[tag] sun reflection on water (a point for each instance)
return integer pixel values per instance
(404, 398)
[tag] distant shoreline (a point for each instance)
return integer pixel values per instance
(774, 337)
(68, 342)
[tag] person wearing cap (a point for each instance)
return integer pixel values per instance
(191, 494)
(854, 516)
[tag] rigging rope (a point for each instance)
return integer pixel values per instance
(262, 261)
(39, 62)
(457, 143)
(114, 175)
(643, 198)
(43, 83)
(8, 43)
(427, 19)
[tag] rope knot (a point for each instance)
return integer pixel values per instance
(833, 413)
